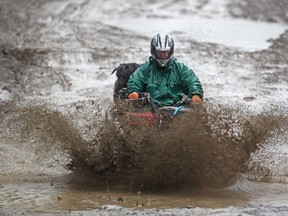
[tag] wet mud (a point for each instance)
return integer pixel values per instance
(251, 10)
(194, 152)
(56, 94)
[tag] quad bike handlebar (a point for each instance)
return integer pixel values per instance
(143, 111)
(181, 105)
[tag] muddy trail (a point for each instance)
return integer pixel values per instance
(61, 152)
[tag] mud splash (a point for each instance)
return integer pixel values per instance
(210, 147)
(194, 152)
(205, 149)
(38, 133)
(46, 47)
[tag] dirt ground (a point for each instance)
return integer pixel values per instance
(55, 63)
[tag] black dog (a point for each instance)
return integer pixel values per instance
(123, 72)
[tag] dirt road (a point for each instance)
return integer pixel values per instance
(55, 85)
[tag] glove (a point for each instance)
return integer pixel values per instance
(196, 99)
(133, 95)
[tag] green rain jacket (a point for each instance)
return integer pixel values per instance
(165, 85)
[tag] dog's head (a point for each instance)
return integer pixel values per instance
(123, 72)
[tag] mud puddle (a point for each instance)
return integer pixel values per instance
(60, 54)
(43, 197)
(54, 195)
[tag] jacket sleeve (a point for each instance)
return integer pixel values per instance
(136, 82)
(191, 82)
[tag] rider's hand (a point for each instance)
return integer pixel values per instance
(133, 95)
(196, 99)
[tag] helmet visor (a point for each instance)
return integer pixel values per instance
(162, 55)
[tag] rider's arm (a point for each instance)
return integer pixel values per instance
(192, 83)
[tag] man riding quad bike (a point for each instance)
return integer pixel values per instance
(164, 80)
(163, 76)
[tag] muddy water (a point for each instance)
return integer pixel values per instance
(55, 62)
(46, 197)
(54, 196)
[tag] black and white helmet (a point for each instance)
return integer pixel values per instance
(162, 48)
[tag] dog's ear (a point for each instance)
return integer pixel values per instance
(135, 66)
(129, 68)
(114, 70)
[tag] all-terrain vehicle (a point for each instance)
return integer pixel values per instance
(143, 111)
